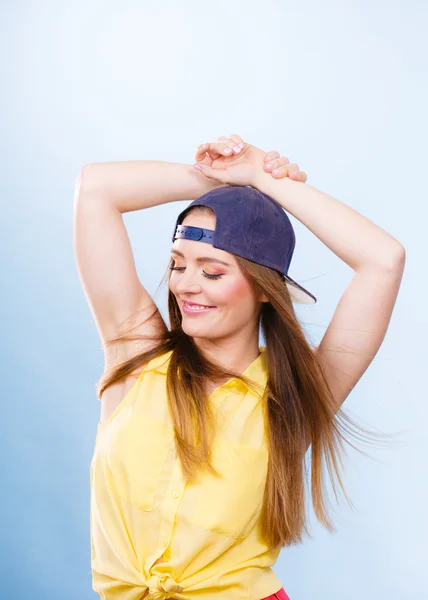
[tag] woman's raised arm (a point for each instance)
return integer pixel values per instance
(133, 185)
(103, 251)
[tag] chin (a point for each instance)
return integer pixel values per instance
(191, 329)
(195, 331)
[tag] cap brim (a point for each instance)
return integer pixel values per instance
(298, 293)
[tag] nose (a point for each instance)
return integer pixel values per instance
(187, 283)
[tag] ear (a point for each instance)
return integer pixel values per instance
(263, 298)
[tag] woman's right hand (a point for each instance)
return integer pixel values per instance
(229, 160)
(234, 162)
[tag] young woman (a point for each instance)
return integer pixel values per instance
(197, 477)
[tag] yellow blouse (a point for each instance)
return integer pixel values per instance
(152, 535)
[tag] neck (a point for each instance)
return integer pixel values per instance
(235, 355)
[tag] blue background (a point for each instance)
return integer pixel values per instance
(338, 87)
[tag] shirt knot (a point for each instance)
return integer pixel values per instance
(161, 587)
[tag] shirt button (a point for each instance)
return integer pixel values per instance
(175, 494)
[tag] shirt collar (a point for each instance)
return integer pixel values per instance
(257, 370)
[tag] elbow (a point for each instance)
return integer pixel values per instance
(400, 255)
(86, 181)
(397, 258)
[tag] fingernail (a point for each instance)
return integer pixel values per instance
(241, 145)
(227, 150)
(268, 166)
(197, 167)
(293, 173)
(276, 171)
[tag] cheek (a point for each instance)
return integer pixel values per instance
(235, 292)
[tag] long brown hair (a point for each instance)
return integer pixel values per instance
(300, 407)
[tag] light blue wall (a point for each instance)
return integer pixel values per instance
(341, 89)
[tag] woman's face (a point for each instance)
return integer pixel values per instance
(209, 282)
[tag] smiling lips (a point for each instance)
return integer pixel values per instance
(195, 308)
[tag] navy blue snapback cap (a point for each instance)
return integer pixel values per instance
(252, 225)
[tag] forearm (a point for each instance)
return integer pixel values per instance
(352, 237)
(134, 185)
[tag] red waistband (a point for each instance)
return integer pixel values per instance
(280, 595)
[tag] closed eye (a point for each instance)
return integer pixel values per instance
(207, 275)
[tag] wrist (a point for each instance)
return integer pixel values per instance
(203, 184)
(264, 182)
(278, 189)
(260, 179)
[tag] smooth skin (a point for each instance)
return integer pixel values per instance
(237, 162)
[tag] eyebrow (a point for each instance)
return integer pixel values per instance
(202, 259)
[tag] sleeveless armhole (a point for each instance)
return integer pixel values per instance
(127, 399)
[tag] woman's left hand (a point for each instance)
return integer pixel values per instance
(234, 162)
(279, 167)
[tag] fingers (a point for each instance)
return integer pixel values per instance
(216, 174)
(201, 151)
(225, 146)
(236, 138)
(233, 143)
(280, 166)
(238, 141)
(270, 156)
(281, 163)
(291, 171)
(217, 149)
(274, 163)
(299, 176)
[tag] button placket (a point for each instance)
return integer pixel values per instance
(171, 505)
(172, 494)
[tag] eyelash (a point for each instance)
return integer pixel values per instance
(207, 275)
